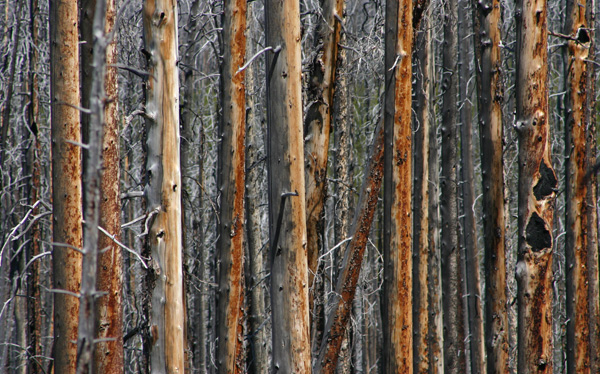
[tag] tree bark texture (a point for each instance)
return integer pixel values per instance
(454, 352)
(578, 212)
(337, 319)
(317, 128)
(486, 17)
(467, 191)
(92, 183)
(420, 244)
(164, 345)
(397, 245)
(232, 176)
(66, 180)
(287, 209)
(108, 354)
(537, 191)
(592, 229)
(435, 331)
(258, 354)
(34, 303)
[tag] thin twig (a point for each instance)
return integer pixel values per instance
(253, 58)
(114, 239)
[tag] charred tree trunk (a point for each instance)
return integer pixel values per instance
(317, 127)
(454, 353)
(34, 303)
(486, 17)
(537, 191)
(337, 319)
(231, 184)
(579, 241)
(467, 192)
(108, 356)
(258, 355)
(164, 340)
(66, 180)
(420, 245)
(435, 331)
(92, 181)
(287, 206)
(397, 243)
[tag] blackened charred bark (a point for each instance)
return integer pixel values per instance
(537, 191)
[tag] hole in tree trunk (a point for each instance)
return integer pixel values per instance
(547, 183)
(537, 235)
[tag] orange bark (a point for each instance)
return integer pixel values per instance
(537, 192)
(66, 180)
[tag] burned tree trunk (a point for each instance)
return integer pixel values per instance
(317, 127)
(397, 244)
(108, 356)
(454, 357)
(287, 209)
(421, 243)
(164, 342)
(490, 96)
(537, 191)
(581, 267)
(232, 170)
(66, 180)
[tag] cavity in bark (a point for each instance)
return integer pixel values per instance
(546, 185)
(538, 237)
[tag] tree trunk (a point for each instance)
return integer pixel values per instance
(34, 303)
(164, 345)
(287, 209)
(342, 163)
(397, 244)
(317, 125)
(231, 184)
(109, 353)
(421, 128)
(467, 182)
(578, 211)
(195, 335)
(537, 191)
(434, 287)
(10, 85)
(337, 319)
(92, 182)
(255, 271)
(486, 26)
(108, 356)
(454, 354)
(66, 180)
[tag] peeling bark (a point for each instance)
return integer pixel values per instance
(108, 355)
(537, 191)
(486, 27)
(164, 340)
(397, 243)
(232, 176)
(317, 128)
(579, 264)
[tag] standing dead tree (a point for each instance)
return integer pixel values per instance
(537, 191)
